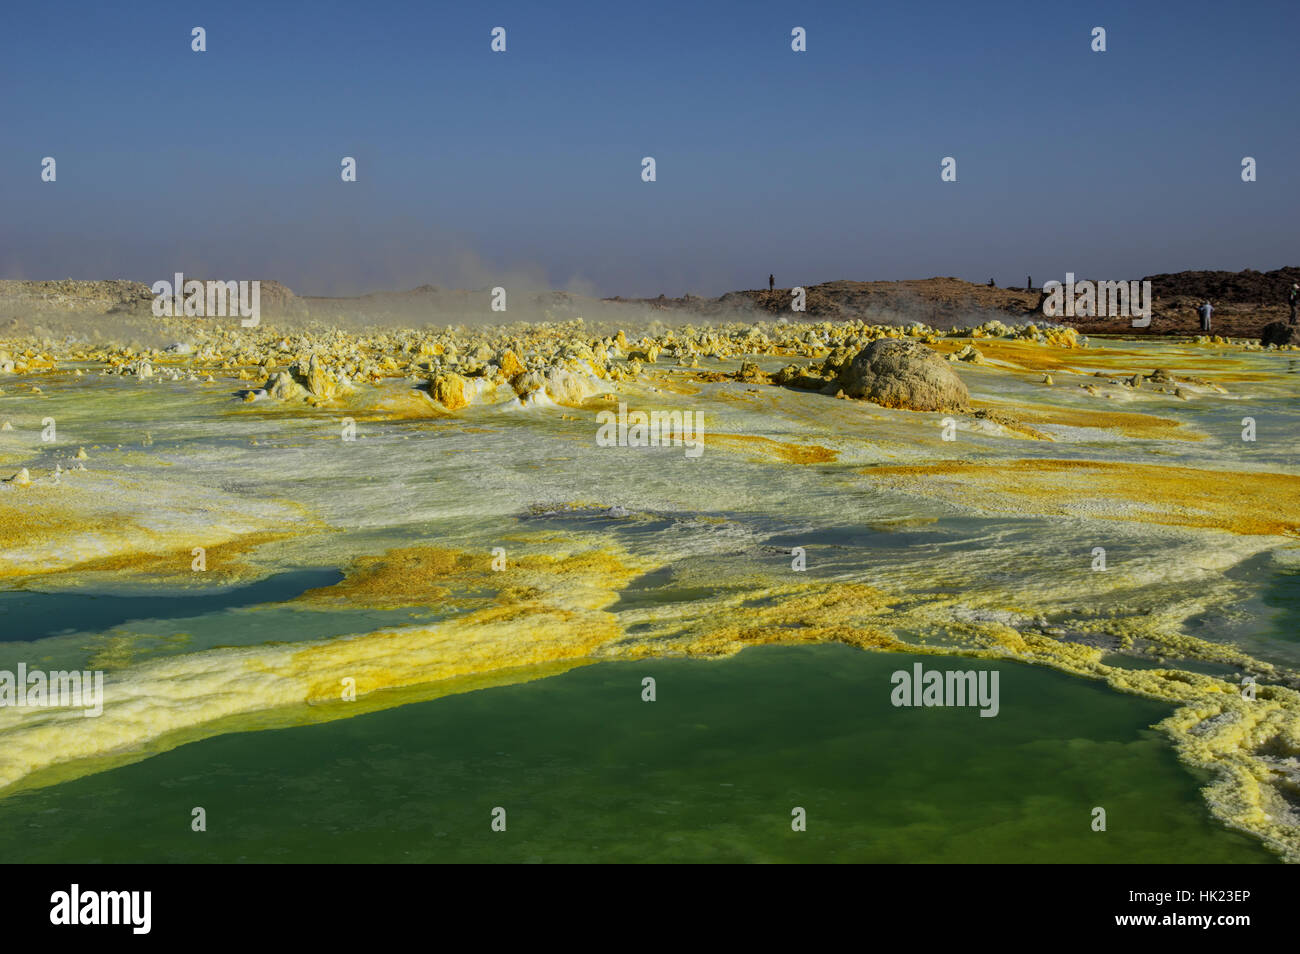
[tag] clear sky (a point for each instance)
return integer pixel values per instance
(478, 168)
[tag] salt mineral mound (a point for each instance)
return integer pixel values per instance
(904, 374)
(453, 391)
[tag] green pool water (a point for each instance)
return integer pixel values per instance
(35, 615)
(709, 772)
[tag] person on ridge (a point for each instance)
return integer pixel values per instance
(1205, 311)
(771, 286)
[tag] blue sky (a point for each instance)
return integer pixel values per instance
(477, 168)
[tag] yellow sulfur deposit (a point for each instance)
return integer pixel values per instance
(453, 477)
(1247, 503)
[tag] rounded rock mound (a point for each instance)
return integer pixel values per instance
(1280, 333)
(904, 374)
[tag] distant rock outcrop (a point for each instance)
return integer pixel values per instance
(1243, 301)
(1248, 287)
(893, 372)
(75, 297)
(119, 297)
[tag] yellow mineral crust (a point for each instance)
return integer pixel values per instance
(769, 449)
(851, 613)
(452, 390)
(550, 611)
(1243, 502)
(1025, 355)
(99, 523)
(1128, 424)
(407, 404)
(1242, 741)
(413, 576)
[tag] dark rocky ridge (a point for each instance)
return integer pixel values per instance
(1244, 303)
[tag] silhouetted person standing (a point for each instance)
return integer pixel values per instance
(771, 283)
